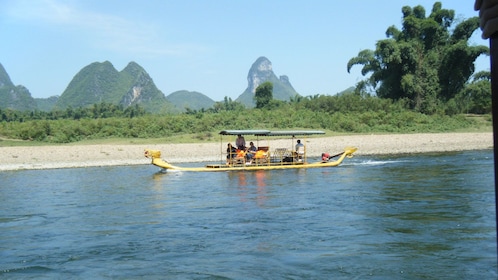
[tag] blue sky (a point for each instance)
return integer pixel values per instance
(195, 45)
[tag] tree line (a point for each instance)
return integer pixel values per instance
(96, 111)
(346, 113)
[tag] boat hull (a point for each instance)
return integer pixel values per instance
(157, 161)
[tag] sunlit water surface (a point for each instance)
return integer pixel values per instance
(413, 217)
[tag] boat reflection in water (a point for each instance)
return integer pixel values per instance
(251, 186)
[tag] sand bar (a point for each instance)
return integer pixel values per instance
(70, 156)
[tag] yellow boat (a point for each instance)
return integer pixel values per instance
(264, 158)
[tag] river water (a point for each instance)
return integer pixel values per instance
(427, 216)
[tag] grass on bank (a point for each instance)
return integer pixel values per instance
(202, 128)
(482, 126)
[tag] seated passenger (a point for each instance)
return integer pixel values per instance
(251, 152)
(231, 152)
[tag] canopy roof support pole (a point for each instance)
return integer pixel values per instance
(493, 45)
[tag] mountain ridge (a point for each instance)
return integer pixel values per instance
(12, 96)
(100, 82)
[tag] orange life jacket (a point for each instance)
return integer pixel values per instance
(240, 153)
(260, 154)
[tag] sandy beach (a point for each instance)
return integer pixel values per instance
(69, 156)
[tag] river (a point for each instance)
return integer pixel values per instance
(429, 216)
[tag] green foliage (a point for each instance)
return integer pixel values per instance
(227, 105)
(100, 110)
(414, 63)
(264, 94)
(346, 113)
(476, 97)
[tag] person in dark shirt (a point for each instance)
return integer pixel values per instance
(231, 152)
(251, 152)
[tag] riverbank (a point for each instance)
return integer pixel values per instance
(70, 156)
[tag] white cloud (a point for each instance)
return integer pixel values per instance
(105, 31)
(42, 11)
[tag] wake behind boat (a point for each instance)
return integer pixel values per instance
(260, 157)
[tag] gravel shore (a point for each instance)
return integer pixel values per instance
(69, 156)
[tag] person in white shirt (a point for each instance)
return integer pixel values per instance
(298, 145)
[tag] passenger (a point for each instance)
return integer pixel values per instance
(240, 142)
(299, 145)
(299, 150)
(231, 152)
(251, 152)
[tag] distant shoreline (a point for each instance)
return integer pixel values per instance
(62, 156)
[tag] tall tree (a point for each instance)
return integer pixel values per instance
(264, 94)
(427, 62)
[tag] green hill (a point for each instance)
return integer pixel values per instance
(101, 82)
(193, 100)
(14, 97)
(46, 104)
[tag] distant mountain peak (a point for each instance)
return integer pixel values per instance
(262, 64)
(262, 71)
(4, 78)
(101, 82)
(133, 68)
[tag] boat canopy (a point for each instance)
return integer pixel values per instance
(295, 132)
(271, 133)
(244, 132)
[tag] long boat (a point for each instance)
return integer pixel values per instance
(264, 158)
